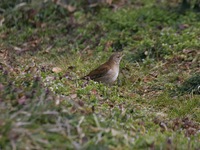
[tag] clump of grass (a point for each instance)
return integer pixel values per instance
(191, 85)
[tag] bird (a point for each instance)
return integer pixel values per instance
(108, 72)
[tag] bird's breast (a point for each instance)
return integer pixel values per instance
(113, 73)
(115, 76)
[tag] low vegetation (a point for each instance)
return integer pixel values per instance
(47, 46)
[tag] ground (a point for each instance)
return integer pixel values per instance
(46, 47)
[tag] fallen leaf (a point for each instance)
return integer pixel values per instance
(2, 19)
(73, 96)
(70, 8)
(183, 26)
(115, 132)
(22, 100)
(1, 87)
(56, 70)
(109, 2)
(108, 45)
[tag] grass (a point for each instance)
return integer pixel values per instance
(154, 104)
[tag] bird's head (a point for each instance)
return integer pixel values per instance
(116, 57)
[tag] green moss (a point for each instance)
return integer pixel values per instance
(145, 109)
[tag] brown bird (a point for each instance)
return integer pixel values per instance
(108, 72)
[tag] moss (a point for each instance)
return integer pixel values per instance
(47, 110)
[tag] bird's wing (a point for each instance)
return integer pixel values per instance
(99, 72)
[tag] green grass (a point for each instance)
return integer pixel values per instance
(154, 104)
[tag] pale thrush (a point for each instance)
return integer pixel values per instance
(108, 72)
